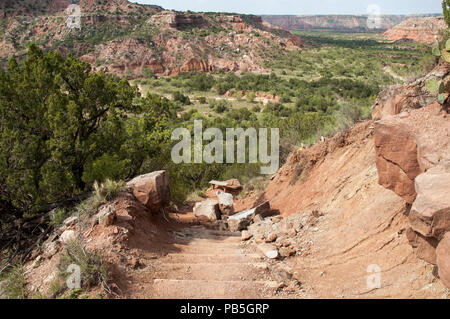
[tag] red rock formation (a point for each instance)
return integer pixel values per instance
(396, 158)
(228, 42)
(413, 160)
(194, 65)
(421, 30)
(360, 222)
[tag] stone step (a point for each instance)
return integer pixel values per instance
(213, 271)
(207, 243)
(214, 232)
(210, 289)
(186, 258)
(208, 249)
(206, 237)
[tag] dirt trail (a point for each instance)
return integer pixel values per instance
(207, 264)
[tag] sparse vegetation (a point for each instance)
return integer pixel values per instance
(93, 270)
(13, 281)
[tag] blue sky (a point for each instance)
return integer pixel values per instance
(297, 7)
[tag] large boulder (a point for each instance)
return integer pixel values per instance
(443, 259)
(430, 212)
(68, 236)
(226, 203)
(207, 210)
(242, 220)
(396, 157)
(152, 190)
(232, 186)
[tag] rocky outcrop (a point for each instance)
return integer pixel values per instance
(421, 30)
(430, 213)
(412, 144)
(196, 65)
(424, 247)
(152, 190)
(165, 42)
(396, 158)
(32, 7)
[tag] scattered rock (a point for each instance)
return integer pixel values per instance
(68, 236)
(287, 251)
(226, 203)
(36, 262)
(50, 249)
(268, 250)
(259, 239)
(106, 215)
(152, 190)
(277, 219)
(50, 278)
(443, 259)
(271, 238)
(71, 221)
(292, 232)
(134, 263)
(242, 220)
(258, 219)
(246, 235)
(207, 210)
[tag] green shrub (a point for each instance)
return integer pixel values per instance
(179, 97)
(109, 189)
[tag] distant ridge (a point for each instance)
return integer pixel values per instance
(336, 22)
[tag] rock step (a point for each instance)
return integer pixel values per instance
(207, 243)
(193, 232)
(208, 249)
(223, 259)
(213, 271)
(219, 239)
(210, 289)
